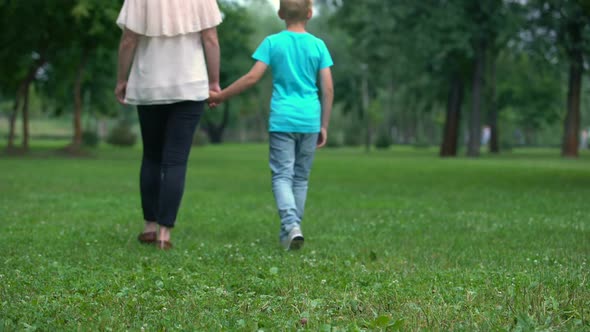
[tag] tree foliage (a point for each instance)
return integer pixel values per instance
(422, 72)
(449, 52)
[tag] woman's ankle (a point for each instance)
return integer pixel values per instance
(150, 227)
(164, 233)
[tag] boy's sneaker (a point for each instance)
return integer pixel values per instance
(293, 241)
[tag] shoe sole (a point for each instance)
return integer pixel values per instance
(296, 243)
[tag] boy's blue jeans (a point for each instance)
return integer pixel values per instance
(291, 157)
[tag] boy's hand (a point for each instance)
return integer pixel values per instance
(322, 138)
(214, 98)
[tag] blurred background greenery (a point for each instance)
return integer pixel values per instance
(467, 77)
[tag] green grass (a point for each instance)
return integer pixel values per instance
(394, 240)
(56, 127)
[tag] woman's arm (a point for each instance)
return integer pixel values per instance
(213, 54)
(127, 47)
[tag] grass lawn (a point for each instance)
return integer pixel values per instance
(395, 240)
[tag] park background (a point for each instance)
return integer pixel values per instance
(452, 195)
(441, 74)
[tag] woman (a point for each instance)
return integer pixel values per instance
(168, 63)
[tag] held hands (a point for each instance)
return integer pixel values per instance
(322, 138)
(214, 95)
(214, 99)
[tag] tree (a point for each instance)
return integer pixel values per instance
(65, 32)
(233, 35)
(565, 24)
(93, 30)
(530, 90)
(378, 34)
(446, 42)
(30, 49)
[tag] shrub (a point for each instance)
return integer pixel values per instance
(200, 138)
(422, 144)
(334, 140)
(383, 140)
(122, 135)
(353, 138)
(505, 145)
(90, 139)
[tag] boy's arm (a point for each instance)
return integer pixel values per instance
(327, 86)
(244, 83)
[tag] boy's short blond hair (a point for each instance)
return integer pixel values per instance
(295, 10)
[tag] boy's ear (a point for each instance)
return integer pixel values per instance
(280, 13)
(309, 14)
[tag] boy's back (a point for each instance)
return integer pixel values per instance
(298, 120)
(295, 59)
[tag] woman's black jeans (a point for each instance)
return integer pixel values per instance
(167, 132)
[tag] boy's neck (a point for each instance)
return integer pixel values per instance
(296, 26)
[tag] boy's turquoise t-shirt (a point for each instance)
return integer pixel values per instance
(295, 60)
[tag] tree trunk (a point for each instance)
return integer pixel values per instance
(475, 119)
(25, 142)
(572, 120)
(215, 132)
(366, 101)
(453, 118)
(23, 88)
(12, 123)
(494, 134)
(530, 137)
(390, 119)
(78, 103)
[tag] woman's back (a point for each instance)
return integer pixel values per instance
(169, 64)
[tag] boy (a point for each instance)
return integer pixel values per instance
(298, 121)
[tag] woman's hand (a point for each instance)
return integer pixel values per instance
(127, 47)
(121, 91)
(214, 87)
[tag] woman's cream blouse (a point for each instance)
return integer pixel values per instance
(169, 64)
